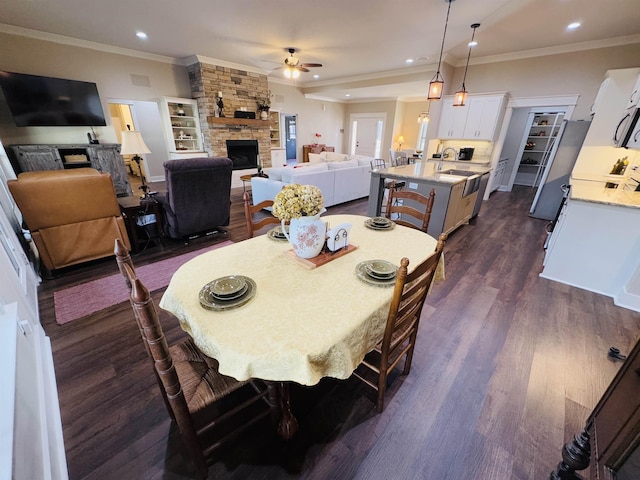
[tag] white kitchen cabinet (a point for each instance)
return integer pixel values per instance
(452, 119)
(476, 120)
(634, 97)
(182, 127)
(498, 175)
(482, 117)
(278, 157)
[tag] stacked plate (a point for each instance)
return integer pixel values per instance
(227, 292)
(379, 223)
(377, 272)
(276, 234)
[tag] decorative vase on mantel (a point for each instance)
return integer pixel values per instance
(264, 114)
(306, 235)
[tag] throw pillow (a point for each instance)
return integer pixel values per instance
(315, 158)
(345, 164)
(336, 157)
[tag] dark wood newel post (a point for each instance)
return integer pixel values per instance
(576, 455)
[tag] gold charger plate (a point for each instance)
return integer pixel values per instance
(210, 302)
(276, 234)
(361, 273)
(370, 224)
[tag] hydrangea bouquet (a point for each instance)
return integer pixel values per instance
(295, 201)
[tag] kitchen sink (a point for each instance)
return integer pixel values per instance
(460, 173)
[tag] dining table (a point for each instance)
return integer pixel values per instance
(302, 323)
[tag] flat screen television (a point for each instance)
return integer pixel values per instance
(36, 101)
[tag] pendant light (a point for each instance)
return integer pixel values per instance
(461, 95)
(423, 117)
(437, 82)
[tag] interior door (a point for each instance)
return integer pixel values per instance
(366, 136)
(290, 136)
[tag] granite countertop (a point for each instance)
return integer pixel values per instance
(594, 191)
(426, 170)
(474, 161)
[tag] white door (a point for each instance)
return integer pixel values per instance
(366, 134)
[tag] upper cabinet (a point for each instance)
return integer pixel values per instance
(476, 120)
(182, 126)
(634, 97)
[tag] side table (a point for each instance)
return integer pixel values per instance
(247, 178)
(143, 220)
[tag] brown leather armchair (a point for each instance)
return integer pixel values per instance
(73, 215)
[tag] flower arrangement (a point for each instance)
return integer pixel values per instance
(264, 103)
(318, 135)
(295, 201)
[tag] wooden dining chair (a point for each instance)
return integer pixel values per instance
(199, 397)
(399, 340)
(250, 212)
(396, 206)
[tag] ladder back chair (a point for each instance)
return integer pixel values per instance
(198, 396)
(396, 205)
(379, 164)
(250, 212)
(399, 340)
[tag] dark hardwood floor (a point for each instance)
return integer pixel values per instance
(507, 367)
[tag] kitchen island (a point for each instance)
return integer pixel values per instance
(596, 240)
(457, 190)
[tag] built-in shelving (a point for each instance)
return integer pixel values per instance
(182, 126)
(540, 135)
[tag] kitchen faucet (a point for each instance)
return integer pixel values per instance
(455, 156)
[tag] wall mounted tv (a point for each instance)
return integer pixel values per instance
(36, 101)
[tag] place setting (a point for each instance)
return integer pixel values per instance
(277, 234)
(227, 292)
(379, 223)
(377, 272)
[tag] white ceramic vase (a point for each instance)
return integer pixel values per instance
(306, 235)
(264, 115)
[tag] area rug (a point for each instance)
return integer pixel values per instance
(81, 300)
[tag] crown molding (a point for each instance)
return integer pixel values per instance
(222, 63)
(76, 42)
(556, 50)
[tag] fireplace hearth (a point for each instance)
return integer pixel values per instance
(243, 153)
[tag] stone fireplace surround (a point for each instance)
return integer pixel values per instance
(240, 90)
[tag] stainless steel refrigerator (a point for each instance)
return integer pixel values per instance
(558, 169)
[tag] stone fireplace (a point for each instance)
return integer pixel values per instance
(240, 91)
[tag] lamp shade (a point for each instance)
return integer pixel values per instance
(132, 143)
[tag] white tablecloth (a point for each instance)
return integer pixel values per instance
(302, 324)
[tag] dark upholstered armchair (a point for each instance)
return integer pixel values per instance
(198, 196)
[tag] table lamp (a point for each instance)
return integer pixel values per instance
(133, 144)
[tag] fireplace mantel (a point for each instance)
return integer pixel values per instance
(240, 122)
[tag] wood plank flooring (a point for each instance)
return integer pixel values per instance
(507, 367)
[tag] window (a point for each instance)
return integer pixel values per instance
(422, 135)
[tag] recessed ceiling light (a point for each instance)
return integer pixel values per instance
(409, 60)
(316, 76)
(347, 94)
(141, 35)
(573, 26)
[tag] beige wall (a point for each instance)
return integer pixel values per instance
(314, 116)
(111, 72)
(564, 74)
(386, 107)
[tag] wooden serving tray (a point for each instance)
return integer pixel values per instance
(324, 257)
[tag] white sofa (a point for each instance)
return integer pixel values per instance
(340, 177)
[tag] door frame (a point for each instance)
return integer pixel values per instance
(284, 133)
(377, 115)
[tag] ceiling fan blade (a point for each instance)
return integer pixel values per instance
(310, 64)
(302, 69)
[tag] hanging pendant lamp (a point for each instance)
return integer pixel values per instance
(461, 95)
(436, 84)
(424, 116)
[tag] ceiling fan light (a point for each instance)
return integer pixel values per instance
(295, 73)
(287, 72)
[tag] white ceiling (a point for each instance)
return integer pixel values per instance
(352, 38)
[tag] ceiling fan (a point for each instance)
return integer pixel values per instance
(293, 67)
